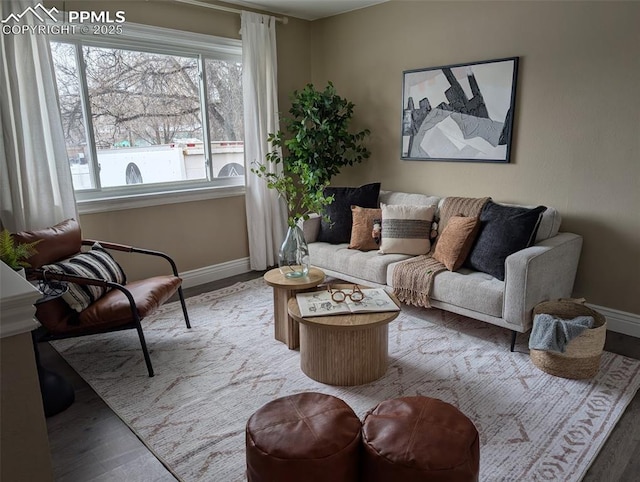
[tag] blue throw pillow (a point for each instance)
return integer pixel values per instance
(504, 230)
(339, 211)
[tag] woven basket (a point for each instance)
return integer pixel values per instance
(581, 358)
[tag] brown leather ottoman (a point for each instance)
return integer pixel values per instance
(419, 439)
(310, 437)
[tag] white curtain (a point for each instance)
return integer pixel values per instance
(36, 188)
(266, 213)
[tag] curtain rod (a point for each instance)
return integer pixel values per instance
(284, 20)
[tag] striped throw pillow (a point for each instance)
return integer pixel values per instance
(96, 264)
(406, 229)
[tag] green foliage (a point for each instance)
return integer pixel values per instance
(316, 146)
(14, 255)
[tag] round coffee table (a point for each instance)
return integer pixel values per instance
(349, 349)
(286, 328)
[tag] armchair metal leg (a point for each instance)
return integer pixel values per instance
(514, 334)
(145, 351)
(184, 307)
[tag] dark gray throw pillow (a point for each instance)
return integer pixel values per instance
(339, 211)
(503, 231)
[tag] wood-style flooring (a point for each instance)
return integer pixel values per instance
(89, 443)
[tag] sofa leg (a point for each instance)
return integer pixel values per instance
(514, 334)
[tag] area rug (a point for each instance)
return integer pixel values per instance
(210, 379)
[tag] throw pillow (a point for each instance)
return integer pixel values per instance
(504, 230)
(406, 229)
(96, 264)
(454, 244)
(362, 228)
(338, 230)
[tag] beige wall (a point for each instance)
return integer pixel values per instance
(204, 233)
(196, 234)
(577, 124)
(577, 120)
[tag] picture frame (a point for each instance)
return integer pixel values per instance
(461, 112)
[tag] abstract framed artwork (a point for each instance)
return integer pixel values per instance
(461, 112)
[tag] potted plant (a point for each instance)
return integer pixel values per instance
(15, 254)
(313, 147)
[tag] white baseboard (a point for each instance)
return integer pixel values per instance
(215, 272)
(620, 321)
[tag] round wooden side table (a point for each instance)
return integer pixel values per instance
(286, 328)
(348, 349)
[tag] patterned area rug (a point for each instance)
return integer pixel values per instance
(210, 379)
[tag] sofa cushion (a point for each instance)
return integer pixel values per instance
(338, 230)
(406, 229)
(366, 265)
(454, 244)
(549, 224)
(471, 290)
(503, 231)
(362, 228)
(393, 197)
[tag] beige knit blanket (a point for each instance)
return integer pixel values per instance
(413, 278)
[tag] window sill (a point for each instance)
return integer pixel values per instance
(135, 201)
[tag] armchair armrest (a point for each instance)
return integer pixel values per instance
(130, 249)
(108, 245)
(545, 271)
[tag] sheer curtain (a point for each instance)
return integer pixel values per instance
(36, 188)
(266, 213)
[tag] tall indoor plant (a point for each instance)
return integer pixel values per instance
(314, 146)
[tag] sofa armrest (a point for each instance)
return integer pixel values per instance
(311, 228)
(545, 271)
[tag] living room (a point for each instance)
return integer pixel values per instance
(568, 152)
(575, 144)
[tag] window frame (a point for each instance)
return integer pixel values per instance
(166, 41)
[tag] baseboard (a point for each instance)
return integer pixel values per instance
(620, 321)
(215, 272)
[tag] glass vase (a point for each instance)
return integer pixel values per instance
(293, 258)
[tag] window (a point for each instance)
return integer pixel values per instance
(150, 111)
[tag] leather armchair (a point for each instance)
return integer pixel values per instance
(121, 308)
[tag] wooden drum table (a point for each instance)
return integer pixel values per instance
(346, 349)
(286, 328)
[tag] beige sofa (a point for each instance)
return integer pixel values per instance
(544, 271)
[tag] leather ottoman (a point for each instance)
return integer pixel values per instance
(309, 437)
(418, 439)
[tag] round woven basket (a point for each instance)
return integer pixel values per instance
(581, 358)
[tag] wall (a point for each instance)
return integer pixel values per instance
(203, 233)
(577, 116)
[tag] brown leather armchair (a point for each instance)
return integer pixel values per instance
(121, 308)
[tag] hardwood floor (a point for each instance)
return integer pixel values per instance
(89, 443)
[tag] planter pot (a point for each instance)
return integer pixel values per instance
(293, 257)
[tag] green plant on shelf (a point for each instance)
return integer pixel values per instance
(15, 254)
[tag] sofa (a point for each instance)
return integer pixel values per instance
(543, 271)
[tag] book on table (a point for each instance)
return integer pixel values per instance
(320, 303)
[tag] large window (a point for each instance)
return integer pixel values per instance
(148, 112)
